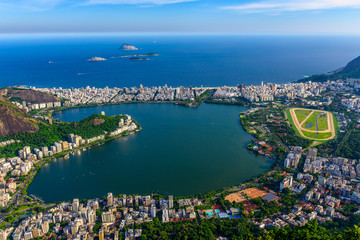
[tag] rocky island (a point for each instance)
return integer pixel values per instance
(96, 59)
(127, 47)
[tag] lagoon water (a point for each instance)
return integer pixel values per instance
(180, 151)
(182, 61)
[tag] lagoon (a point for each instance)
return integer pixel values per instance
(180, 151)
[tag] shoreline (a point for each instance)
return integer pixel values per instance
(222, 189)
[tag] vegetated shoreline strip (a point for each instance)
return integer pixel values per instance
(300, 130)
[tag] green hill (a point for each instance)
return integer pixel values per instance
(351, 70)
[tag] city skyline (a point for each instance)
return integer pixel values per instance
(326, 17)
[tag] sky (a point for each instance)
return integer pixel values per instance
(289, 17)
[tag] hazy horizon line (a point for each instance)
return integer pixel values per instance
(99, 34)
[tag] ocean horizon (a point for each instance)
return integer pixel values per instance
(61, 61)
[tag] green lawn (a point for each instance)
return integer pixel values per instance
(301, 114)
(323, 123)
(319, 136)
(311, 121)
(309, 134)
(323, 135)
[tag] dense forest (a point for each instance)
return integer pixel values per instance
(200, 229)
(242, 229)
(350, 148)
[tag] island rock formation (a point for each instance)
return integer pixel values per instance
(126, 46)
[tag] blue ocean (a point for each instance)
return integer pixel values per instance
(54, 61)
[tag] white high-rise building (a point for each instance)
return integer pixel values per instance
(153, 212)
(91, 216)
(165, 216)
(171, 201)
(110, 199)
(75, 205)
(3, 235)
(107, 217)
(287, 182)
(45, 227)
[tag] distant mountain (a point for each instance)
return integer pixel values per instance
(351, 70)
(13, 120)
(352, 67)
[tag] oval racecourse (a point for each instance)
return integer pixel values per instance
(312, 124)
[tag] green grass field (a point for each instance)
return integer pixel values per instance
(323, 123)
(319, 136)
(301, 114)
(311, 121)
(323, 135)
(309, 134)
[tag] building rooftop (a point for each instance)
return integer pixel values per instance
(270, 197)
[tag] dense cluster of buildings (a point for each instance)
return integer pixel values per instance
(261, 93)
(92, 95)
(100, 218)
(299, 216)
(336, 182)
(270, 91)
(27, 106)
(293, 158)
(127, 125)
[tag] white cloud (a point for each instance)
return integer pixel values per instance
(293, 5)
(133, 2)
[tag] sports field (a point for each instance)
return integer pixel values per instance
(312, 124)
(250, 192)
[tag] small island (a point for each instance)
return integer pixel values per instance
(139, 59)
(140, 55)
(152, 54)
(96, 59)
(128, 47)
